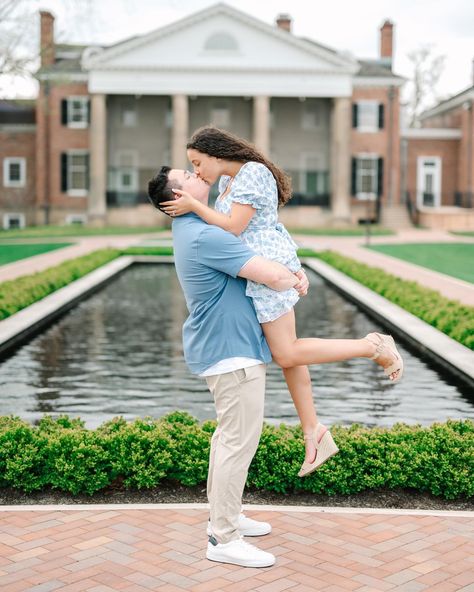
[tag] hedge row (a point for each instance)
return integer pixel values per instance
(21, 292)
(449, 316)
(64, 455)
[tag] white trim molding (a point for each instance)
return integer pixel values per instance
(428, 133)
(452, 103)
(7, 162)
(366, 81)
(8, 217)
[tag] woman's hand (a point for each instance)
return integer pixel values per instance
(303, 285)
(183, 204)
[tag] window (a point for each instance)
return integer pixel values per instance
(75, 112)
(220, 115)
(367, 176)
(129, 116)
(76, 219)
(14, 172)
(368, 116)
(221, 42)
(11, 221)
(75, 173)
(310, 118)
(127, 170)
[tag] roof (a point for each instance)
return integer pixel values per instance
(450, 103)
(375, 68)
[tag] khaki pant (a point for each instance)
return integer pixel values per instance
(239, 398)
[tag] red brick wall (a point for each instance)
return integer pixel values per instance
(379, 142)
(448, 151)
(20, 144)
(61, 139)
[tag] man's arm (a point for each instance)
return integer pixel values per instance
(272, 274)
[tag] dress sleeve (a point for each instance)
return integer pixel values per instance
(254, 185)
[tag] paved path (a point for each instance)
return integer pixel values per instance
(82, 246)
(354, 247)
(138, 550)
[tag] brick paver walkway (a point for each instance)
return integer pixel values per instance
(143, 549)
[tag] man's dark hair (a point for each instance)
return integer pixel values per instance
(159, 187)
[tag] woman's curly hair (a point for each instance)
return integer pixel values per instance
(222, 144)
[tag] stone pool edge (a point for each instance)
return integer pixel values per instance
(29, 321)
(447, 352)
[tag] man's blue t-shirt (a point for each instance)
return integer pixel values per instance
(222, 322)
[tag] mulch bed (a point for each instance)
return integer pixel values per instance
(175, 493)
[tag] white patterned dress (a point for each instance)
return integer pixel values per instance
(255, 185)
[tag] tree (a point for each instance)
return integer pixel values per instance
(427, 70)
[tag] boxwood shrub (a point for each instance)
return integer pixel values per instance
(61, 453)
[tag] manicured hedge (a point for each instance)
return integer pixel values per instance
(21, 292)
(64, 455)
(449, 316)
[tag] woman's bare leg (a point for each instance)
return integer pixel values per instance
(288, 351)
(298, 380)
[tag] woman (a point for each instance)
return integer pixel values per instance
(251, 190)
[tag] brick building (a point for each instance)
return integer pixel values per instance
(107, 117)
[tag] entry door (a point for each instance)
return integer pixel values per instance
(428, 184)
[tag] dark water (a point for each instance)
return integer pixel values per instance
(120, 353)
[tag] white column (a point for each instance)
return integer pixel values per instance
(179, 134)
(340, 159)
(97, 207)
(261, 123)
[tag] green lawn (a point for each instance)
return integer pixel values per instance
(75, 230)
(455, 259)
(10, 253)
(351, 231)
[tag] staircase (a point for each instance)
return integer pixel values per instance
(395, 216)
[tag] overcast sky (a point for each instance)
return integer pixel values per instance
(447, 25)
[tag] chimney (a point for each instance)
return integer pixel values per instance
(386, 43)
(47, 39)
(283, 21)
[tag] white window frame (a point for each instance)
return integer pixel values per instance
(130, 156)
(364, 195)
(7, 162)
(220, 115)
(368, 128)
(75, 192)
(84, 111)
(8, 216)
(310, 118)
(129, 108)
(420, 164)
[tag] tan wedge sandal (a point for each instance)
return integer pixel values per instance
(325, 448)
(384, 343)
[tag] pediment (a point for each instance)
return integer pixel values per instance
(220, 38)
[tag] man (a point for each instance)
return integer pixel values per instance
(224, 343)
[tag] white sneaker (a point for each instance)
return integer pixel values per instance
(248, 527)
(238, 552)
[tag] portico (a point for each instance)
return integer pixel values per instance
(242, 75)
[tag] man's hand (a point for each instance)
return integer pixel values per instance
(183, 204)
(303, 284)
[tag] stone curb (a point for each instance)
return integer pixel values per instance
(246, 507)
(442, 349)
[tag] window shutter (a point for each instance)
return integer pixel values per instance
(381, 116)
(87, 172)
(89, 111)
(354, 176)
(63, 172)
(355, 118)
(380, 177)
(64, 111)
